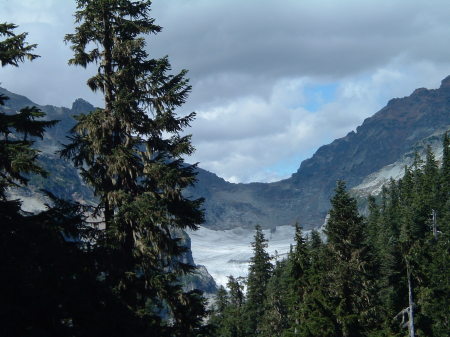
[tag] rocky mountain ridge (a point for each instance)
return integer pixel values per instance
(373, 183)
(304, 197)
(380, 141)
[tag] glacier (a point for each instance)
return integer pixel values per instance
(228, 252)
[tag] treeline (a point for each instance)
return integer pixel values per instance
(112, 268)
(387, 274)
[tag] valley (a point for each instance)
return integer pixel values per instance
(366, 159)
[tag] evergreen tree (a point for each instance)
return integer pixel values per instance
(445, 171)
(298, 264)
(429, 254)
(388, 253)
(48, 273)
(258, 277)
(351, 286)
(17, 157)
(373, 220)
(299, 258)
(231, 323)
(276, 319)
(431, 178)
(411, 252)
(130, 152)
(316, 311)
(220, 304)
(416, 197)
(14, 49)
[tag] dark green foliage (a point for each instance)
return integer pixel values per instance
(17, 157)
(50, 284)
(350, 276)
(82, 281)
(130, 153)
(369, 274)
(228, 316)
(445, 170)
(408, 249)
(344, 228)
(14, 49)
(258, 278)
(220, 305)
(49, 280)
(276, 319)
(295, 280)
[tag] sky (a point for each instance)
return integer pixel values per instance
(272, 80)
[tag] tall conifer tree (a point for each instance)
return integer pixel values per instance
(299, 265)
(131, 151)
(350, 287)
(258, 277)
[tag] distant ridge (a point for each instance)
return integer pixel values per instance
(304, 197)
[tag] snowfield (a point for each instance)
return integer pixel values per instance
(228, 252)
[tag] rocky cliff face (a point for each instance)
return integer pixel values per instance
(373, 183)
(380, 141)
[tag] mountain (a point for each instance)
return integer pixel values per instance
(373, 183)
(380, 141)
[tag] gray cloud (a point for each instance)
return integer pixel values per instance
(298, 38)
(251, 63)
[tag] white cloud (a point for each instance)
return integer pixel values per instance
(250, 139)
(272, 80)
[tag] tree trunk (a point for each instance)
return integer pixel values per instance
(107, 63)
(434, 225)
(411, 302)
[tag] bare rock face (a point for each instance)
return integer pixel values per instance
(200, 278)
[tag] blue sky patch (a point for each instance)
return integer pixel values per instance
(287, 166)
(318, 95)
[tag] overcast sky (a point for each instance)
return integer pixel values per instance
(272, 80)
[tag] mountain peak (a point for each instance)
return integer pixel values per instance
(420, 91)
(81, 106)
(445, 83)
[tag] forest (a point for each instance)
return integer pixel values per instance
(113, 268)
(386, 274)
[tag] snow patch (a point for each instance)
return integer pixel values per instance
(374, 182)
